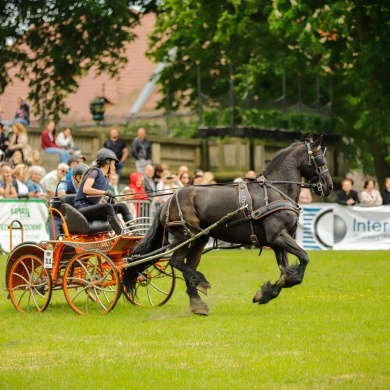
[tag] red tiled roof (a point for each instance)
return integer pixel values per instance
(122, 92)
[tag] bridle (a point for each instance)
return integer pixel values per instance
(320, 168)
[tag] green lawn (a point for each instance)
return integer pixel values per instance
(331, 332)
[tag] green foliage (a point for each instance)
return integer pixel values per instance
(268, 119)
(331, 332)
(348, 40)
(54, 43)
(344, 43)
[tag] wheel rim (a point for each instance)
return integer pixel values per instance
(154, 285)
(30, 285)
(91, 284)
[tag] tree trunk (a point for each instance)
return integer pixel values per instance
(381, 165)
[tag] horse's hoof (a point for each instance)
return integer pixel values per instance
(282, 281)
(202, 289)
(200, 308)
(257, 296)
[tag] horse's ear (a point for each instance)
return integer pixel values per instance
(318, 141)
(309, 138)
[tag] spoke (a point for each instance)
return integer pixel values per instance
(149, 296)
(158, 288)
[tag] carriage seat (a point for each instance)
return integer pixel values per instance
(78, 224)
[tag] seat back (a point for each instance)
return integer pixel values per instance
(68, 199)
(78, 224)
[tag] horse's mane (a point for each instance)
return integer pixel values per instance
(280, 158)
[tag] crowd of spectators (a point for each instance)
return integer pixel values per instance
(23, 174)
(369, 197)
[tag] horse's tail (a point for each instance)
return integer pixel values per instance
(153, 239)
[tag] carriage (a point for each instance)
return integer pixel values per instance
(94, 267)
(86, 262)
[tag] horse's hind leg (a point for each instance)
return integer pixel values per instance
(290, 275)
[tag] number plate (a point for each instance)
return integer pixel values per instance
(48, 259)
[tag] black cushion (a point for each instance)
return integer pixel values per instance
(78, 224)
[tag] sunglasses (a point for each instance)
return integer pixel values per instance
(64, 171)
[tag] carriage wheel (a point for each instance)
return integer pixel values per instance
(154, 286)
(30, 284)
(91, 283)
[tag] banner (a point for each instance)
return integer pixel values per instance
(333, 226)
(32, 215)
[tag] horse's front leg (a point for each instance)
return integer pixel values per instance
(195, 280)
(290, 275)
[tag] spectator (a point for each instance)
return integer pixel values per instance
(158, 170)
(182, 169)
(137, 184)
(51, 179)
(7, 185)
(16, 159)
(113, 183)
(73, 161)
(208, 178)
(4, 141)
(18, 140)
(141, 150)
(149, 183)
(118, 146)
(35, 188)
(185, 179)
(22, 114)
(370, 196)
(386, 192)
(167, 186)
(347, 196)
(20, 174)
(198, 177)
(65, 187)
(49, 144)
(127, 198)
(65, 140)
(250, 175)
(305, 196)
(82, 159)
(90, 199)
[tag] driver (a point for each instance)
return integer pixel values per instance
(90, 199)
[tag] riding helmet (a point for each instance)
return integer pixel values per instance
(105, 154)
(79, 169)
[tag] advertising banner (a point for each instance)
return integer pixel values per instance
(31, 214)
(332, 226)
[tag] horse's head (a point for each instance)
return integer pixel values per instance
(315, 170)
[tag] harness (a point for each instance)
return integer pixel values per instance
(244, 199)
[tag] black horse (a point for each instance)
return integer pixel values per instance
(268, 217)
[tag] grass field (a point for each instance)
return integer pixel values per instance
(331, 332)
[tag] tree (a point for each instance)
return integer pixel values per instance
(350, 40)
(344, 41)
(53, 43)
(210, 40)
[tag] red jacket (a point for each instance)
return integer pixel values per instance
(48, 140)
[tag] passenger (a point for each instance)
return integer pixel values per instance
(65, 187)
(90, 199)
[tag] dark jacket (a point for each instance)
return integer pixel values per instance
(342, 197)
